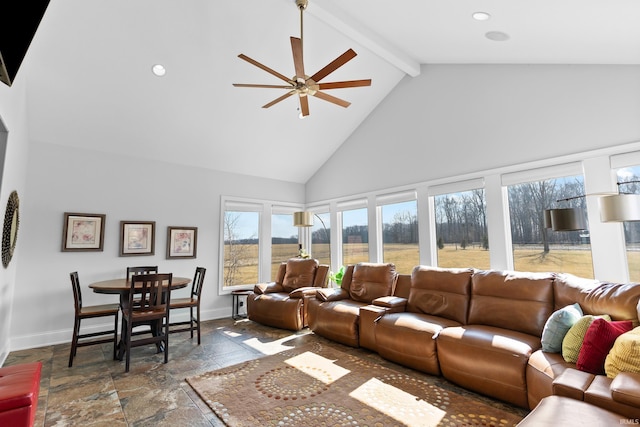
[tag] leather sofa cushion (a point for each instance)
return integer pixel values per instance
(620, 301)
(440, 292)
(299, 273)
(599, 394)
(487, 359)
(624, 355)
(407, 339)
(514, 300)
(625, 389)
(564, 411)
(371, 281)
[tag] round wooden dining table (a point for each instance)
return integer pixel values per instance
(122, 287)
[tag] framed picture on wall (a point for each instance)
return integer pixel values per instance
(83, 232)
(137, 238)
(182, 242)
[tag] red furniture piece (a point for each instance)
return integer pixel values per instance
(19, 388)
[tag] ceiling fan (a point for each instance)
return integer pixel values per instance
(301, 84)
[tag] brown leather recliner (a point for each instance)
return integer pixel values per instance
(335, 313)
(282, 304)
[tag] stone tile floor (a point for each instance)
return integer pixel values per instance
(97, 392)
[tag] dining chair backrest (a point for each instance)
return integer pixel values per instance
(147, 269)
(151, 288)
(77, 293)
(198, 280)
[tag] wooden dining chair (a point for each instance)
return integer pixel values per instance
(89, 312)
(155, 297)
(134, 271)
(150, 269)
(192, 303)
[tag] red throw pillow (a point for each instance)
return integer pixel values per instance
(598, 342)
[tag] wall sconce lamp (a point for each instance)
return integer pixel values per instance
(620, 207)
(565, 219)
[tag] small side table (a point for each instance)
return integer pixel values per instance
(237, 302)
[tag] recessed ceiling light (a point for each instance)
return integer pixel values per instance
(481, 16)
(158, 70)
(497, 36)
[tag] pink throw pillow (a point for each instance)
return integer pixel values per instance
(597, 343)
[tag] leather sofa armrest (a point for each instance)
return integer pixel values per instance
(572, 383)
(267, 288)
(331, 294)
(306, 291)
(625, 388)
(391, 304)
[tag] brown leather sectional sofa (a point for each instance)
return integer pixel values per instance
(481, 330)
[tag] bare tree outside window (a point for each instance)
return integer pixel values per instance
(461, 229)
(536, 248)
(240, 248)
(400, 235)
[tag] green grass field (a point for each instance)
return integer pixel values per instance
(405, 257)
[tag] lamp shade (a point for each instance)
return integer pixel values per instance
(568, 219)
(620, 207)
(303, 219)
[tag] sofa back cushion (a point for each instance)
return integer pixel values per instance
(512, 300)
(442, 292)
(620, 301)
(371, 280)
(299, 272)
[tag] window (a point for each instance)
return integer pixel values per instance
(284, 241)
(400, 235)
(631, 228)
(536, 248)
(461, 229)
(321, 238)
(355, 236)
(241, 247)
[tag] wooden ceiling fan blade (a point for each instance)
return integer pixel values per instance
(304, 105)
(296, 48)
(265, 68)
(332, 99)
(334, 65)
(281, 98)
(261, 86)
(345, 84)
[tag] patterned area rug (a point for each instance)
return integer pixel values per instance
(317, 385)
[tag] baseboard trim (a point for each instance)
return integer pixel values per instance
(62, 336)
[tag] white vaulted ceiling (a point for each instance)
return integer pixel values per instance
(89, 80)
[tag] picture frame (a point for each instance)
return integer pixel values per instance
(83, 232)
(182, 242)
(137, 238)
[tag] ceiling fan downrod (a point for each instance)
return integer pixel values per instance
(302, 5)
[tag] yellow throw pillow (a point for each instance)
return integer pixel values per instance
(624, 355)
(573, 339)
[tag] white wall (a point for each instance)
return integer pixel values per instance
(462, 122)
(14, 119)
(62, 179)
(458, 119)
